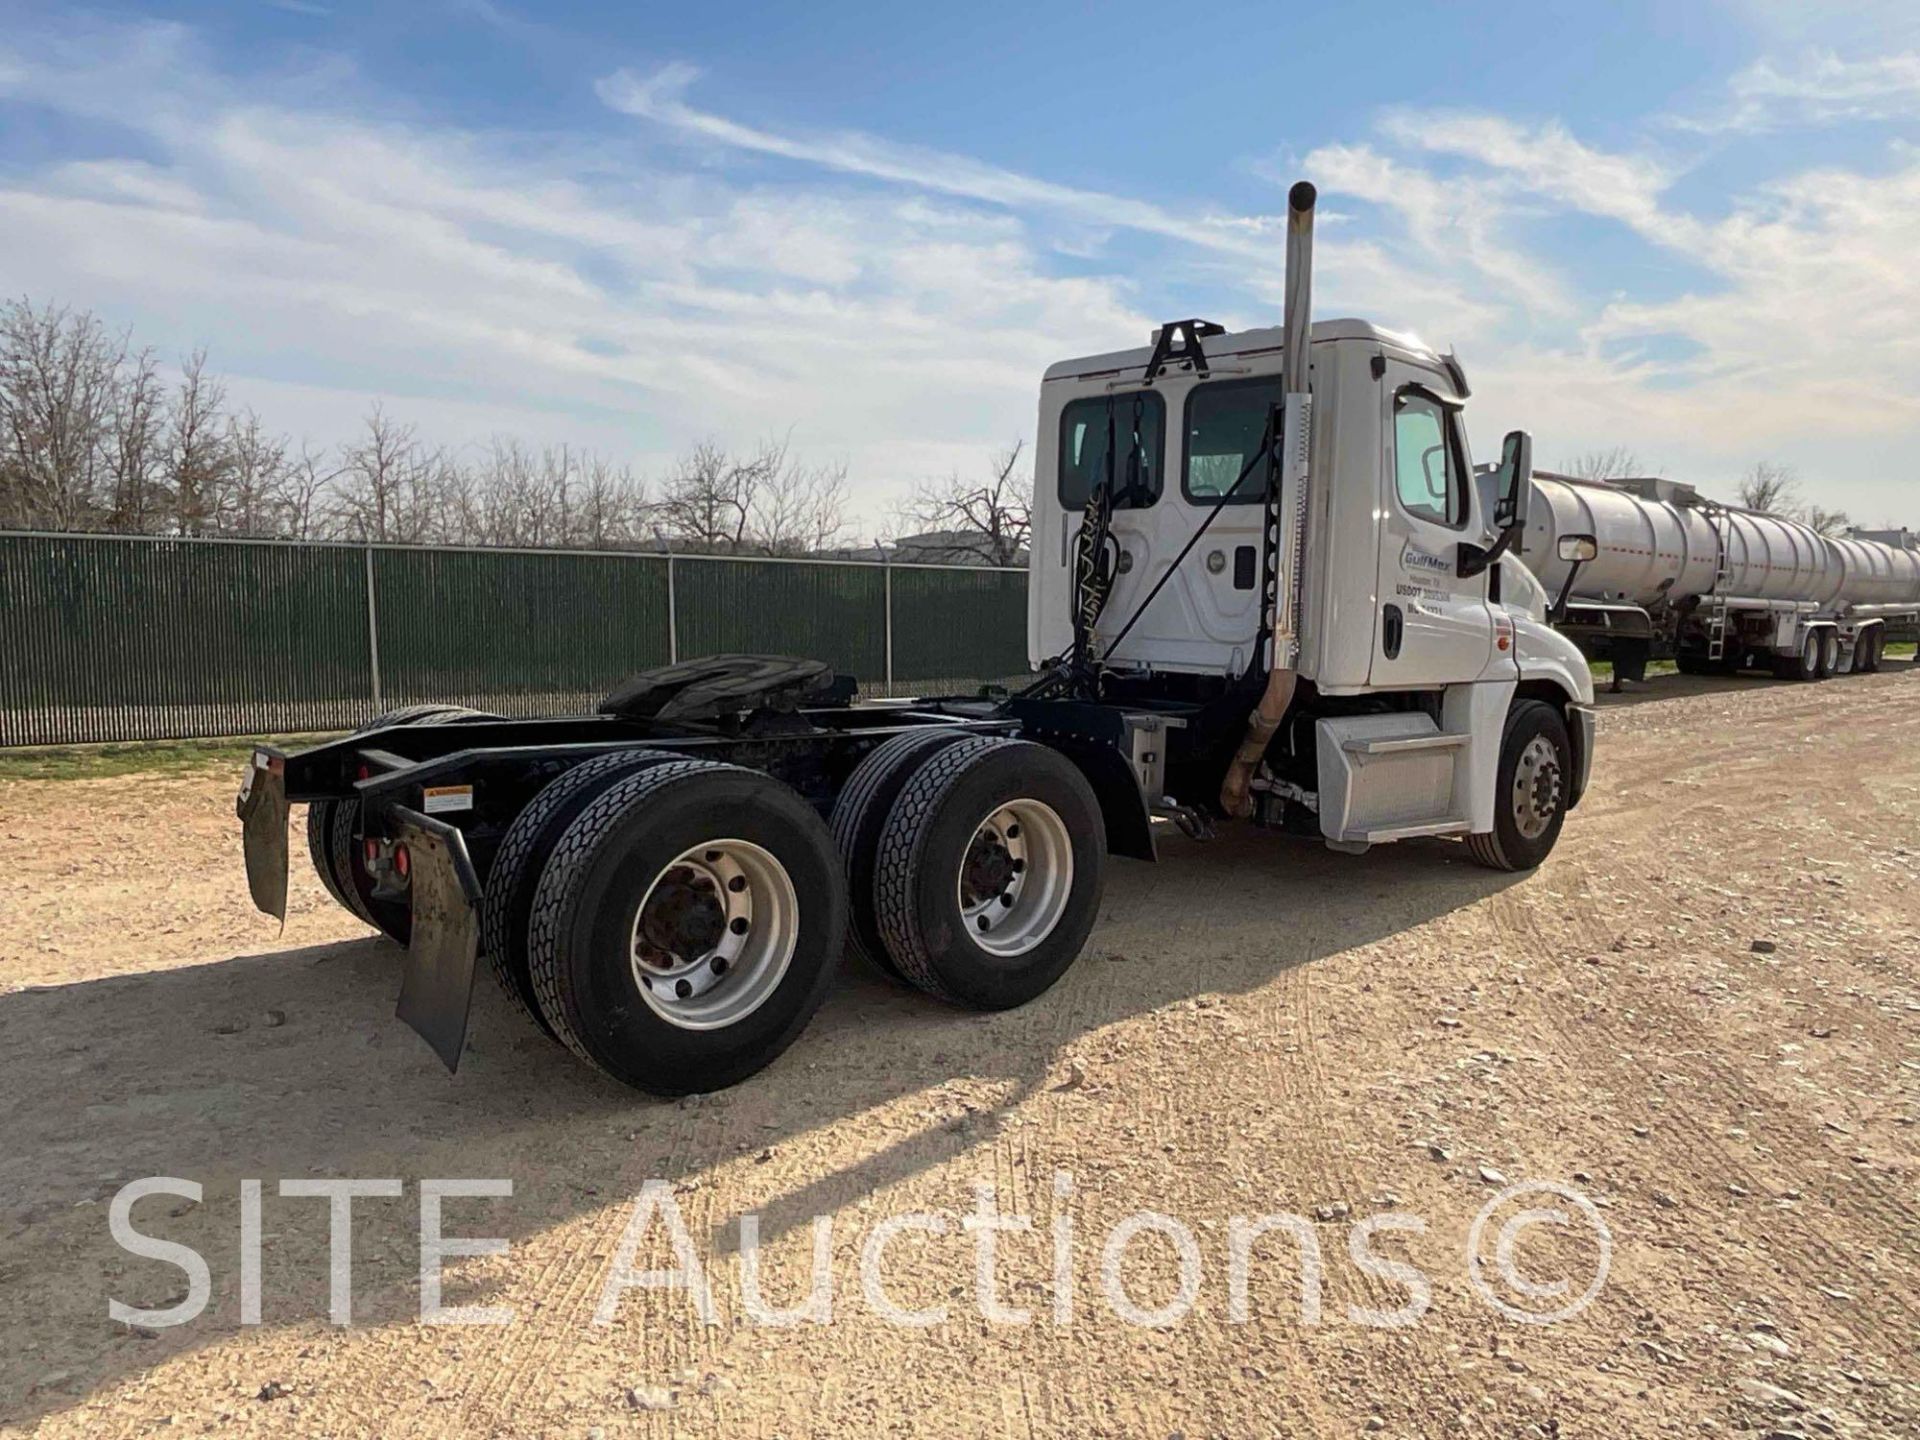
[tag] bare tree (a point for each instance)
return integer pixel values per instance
(386, 482)
(800, 510)
(1615, 463)
(611, 507)
(762, 502)
(308, 481)
(58, 375)
(1827, 522)
(199, 462)
(259, 477)
(989, 519)
(136, 461)
(1769, 486)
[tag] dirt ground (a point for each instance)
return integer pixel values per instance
(1702, 1015)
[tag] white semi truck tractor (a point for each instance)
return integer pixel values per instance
(1265, 586)
(1716, 588)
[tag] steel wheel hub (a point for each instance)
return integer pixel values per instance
(1015, 877)
(714, 934)
(1536, 787)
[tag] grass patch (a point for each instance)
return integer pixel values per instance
(134, 757)
(1603, 669)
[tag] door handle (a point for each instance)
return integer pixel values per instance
(1393, 627)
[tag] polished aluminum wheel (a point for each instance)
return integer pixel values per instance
(714, 934)
(1537, 787)
(1015, 878)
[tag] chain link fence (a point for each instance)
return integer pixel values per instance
(140, 638)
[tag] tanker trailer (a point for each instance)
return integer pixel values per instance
(1715, 588)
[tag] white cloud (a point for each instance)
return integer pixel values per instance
(1816, 88)
(896, 305)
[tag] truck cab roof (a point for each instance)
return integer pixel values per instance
(1243, 343)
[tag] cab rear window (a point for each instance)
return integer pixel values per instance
(1225, 421)
(1138, 424)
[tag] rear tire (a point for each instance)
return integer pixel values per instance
(1530, 795)
(1802, 666)
(608, 967)
(1867, 657)
(1829, 661)
(989, 872)
(508, 898)
(350, 881)
(860, 816)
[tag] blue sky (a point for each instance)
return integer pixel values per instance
(1683, 229)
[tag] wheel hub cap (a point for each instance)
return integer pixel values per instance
(1536, 787)
(714, 934)
(1015, 878)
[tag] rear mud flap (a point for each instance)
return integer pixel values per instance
(262, 807)
(436, 986)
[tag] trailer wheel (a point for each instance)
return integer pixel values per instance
(352, 881)
(989, 872)
(517, 865)
(860, 816)
(1530, 798)
(1868, 658)
(1803, 665)
(1829, 662)
(687, 926)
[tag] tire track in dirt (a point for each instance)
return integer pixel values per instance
(1393, 1362)
(1597, 1046)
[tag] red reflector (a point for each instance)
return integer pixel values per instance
(402, 861)
(365, 771)
(373, 850)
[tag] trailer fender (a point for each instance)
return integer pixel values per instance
(1122, 806)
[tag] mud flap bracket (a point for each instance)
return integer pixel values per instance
(436, 985)
(262, 808)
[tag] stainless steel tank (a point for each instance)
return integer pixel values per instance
(1656, 542)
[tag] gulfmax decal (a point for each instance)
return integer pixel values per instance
(1412, 557)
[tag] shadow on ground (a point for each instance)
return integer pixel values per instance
(290, 1064)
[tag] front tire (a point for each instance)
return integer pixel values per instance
(1530, 796)
(989, 872)
(687, 926)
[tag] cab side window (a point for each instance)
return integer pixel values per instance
(1426, 464)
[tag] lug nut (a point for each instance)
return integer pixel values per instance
(682, 989)
(737, 884)
(719, 964)
(739, 925)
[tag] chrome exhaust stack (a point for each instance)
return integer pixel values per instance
(1296, 438)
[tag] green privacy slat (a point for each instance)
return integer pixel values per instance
(128, 639)
(110, 639)
(835, 613)
(949, 624)
(496, 628)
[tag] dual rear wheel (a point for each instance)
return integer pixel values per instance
(676, 922)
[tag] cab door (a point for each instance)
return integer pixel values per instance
(1433, 628)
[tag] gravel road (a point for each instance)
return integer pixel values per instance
(1701, 1017)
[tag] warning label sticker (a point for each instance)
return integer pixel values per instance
(441, 799)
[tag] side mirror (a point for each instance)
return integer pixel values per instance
(1512, 484)
(1513, 481)
(1576, 550)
